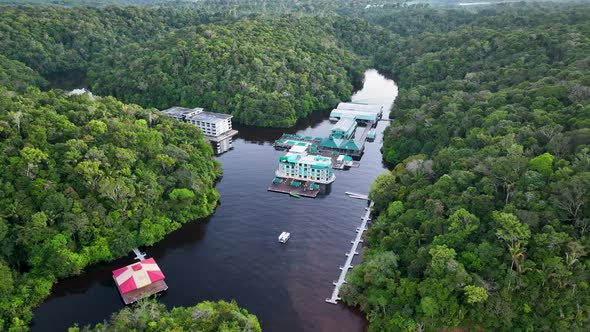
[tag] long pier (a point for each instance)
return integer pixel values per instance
(353, 250)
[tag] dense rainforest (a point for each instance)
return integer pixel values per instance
(149, 316)
(483, 222)
(265, 71)
(85, 181)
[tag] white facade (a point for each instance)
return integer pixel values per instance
(217, 127)
(211, 126)
(306, 168)
(223, 145)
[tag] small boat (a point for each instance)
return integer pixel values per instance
(371, 135)
(294, 195)
(284, 237)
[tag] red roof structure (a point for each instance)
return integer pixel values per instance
(139, 280)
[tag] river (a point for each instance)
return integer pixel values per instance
(234, 254)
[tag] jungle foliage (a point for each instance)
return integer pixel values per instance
(149, 316)
(84, 181)
(483, 222)
(265, 72)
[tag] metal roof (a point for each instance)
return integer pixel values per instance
(298, 148)
(209, 116)
(179, 112)
(344, 124)
(360, 107)
(357, 115)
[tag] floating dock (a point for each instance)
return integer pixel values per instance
(353, 250)
(304, 188)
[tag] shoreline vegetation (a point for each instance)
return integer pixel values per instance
(151, 316)
(483, 220)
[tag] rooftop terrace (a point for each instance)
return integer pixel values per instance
(180, 112)
(210, 116)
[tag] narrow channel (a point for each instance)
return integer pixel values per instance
(234, 254)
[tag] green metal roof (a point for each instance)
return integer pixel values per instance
(329, 143)
(351, 145)
(277, 180)
(296, 183)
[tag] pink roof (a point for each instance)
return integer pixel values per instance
(137, 275)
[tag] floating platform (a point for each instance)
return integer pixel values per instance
(305, 189)
(314, 144)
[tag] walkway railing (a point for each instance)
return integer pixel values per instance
(353, 250)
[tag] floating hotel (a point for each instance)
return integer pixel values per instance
(301, 166)
(310, 161)
(217, 127)
(302, 174)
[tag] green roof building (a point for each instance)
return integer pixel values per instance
(344, 128)
(343, 145)
(304, 167)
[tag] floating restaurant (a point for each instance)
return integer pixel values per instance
(139, 280)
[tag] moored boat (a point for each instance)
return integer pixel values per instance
(284, 237)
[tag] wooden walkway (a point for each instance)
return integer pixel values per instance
(370, 126)
(138, 254)
(353, 250)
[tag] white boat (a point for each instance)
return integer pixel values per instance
(284, 237)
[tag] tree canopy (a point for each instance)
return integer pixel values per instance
(486, 211)
(150, 316)
(265, 72)
(86, 180)
(482, 220)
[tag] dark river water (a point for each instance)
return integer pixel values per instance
(234, 254)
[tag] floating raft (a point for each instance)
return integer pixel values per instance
(291, 187)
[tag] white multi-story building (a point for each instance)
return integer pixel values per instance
(304, 167)
(212, 124)
(217, 127)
